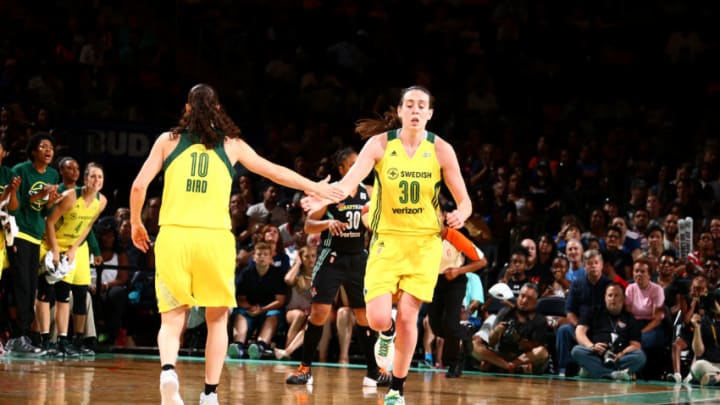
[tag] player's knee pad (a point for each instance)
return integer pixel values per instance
(79, 299)
(62, 292)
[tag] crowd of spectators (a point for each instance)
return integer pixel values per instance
(576, 130)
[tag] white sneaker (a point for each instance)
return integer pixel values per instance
(622, 375)
(688, 379)
(677, 378)
(170, 388)
(384, 351)
(381, 378)
(210, 399)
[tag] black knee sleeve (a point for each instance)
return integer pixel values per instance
(62, 291)
(79, 299)
(45, 291)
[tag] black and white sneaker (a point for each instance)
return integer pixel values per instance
(22, 347)
(379, 378)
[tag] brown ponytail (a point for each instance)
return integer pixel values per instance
(368, 127)
(207, 118)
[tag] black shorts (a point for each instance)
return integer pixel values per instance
(334, 269)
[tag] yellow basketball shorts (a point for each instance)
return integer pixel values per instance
(403, 263)
(80, 275)
(4, 262)
(194, 267)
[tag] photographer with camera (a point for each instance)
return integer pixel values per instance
(514, 343)
(696, 302)
(706, 367)
(609, 340)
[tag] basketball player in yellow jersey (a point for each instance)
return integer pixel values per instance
(406, 249)
(9, 184)
(195, 249)
(67, 226)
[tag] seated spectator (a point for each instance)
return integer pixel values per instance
(609, 340)
(121, 214)
(300, 279)
(629, 242)
(613, 253)
(641, 225)
(695, 303)
(560, 285)
(541, 273)
(645, 300)
(711, 267)
(267, 211)
(706, 367)
(515, 342)
(571, 231)
(295, 223)
(515, 275)
(271, 235)
(239, 221)
(584, 295)
(655, 248)
(675, 290)
(598, 224)
(574, 252)
(697, 260)
(670, 225)
(261, 295)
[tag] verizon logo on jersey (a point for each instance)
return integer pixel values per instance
(407, 211)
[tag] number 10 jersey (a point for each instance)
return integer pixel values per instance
(197, 183)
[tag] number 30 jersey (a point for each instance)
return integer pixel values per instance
(349, 210)
(197, 183)
(405, 193)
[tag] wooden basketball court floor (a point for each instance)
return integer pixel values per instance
(133, 379)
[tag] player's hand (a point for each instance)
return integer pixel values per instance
(98, 260)
(56, 257)
(14, 184)
(454, 219)
(337, 227)
(140, 237)
(47, 190)
(71, 254)
(329, 191)
(451, 273)
(313, 203)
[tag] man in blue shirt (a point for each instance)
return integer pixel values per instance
(585, 294)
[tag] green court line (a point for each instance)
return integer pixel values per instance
(686, 395)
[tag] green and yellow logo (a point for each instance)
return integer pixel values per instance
(393, 173)
(34, 189)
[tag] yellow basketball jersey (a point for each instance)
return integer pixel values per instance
(196, 190)
(74, 222)
(405, 194)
